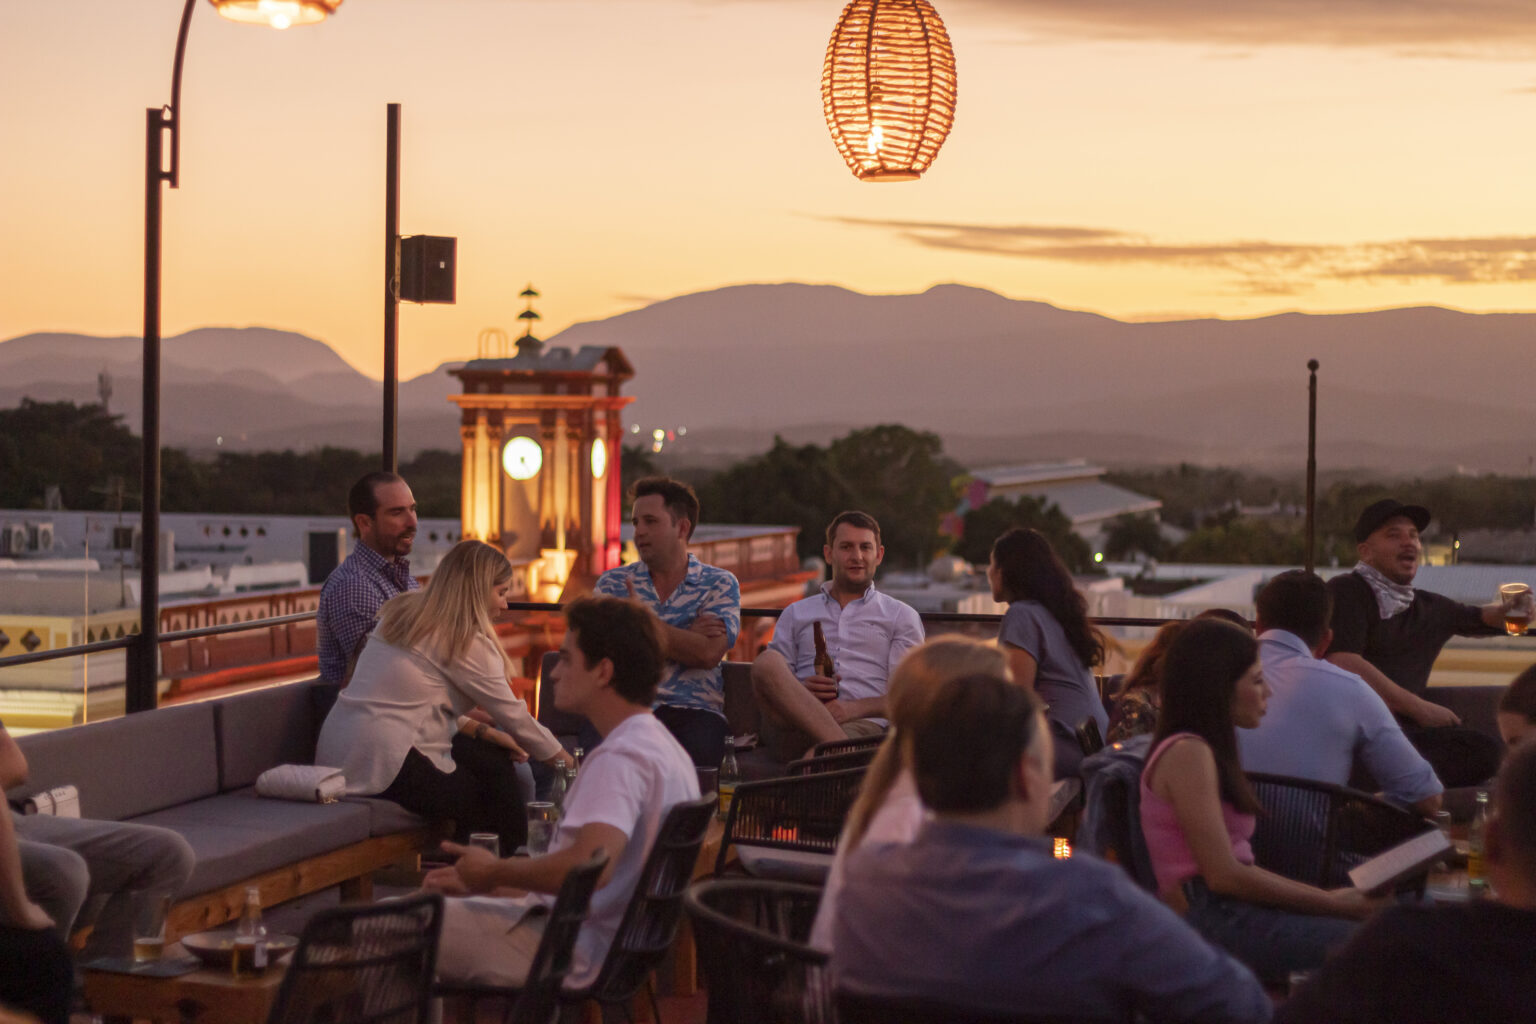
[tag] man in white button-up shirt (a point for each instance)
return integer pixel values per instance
(866, 634)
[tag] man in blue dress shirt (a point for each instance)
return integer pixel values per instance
(383, 513)
(1323, 721)
(866, 634)
(975, 915)
(700, 611)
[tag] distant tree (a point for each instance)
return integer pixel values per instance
(787, 485)
(902, 478)
(985, 524)
(635, 463)
(76, 448)
(1242, 542)
(1129, 536)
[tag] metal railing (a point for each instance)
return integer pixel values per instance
(126, 642)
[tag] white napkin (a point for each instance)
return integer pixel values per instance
(313, 783)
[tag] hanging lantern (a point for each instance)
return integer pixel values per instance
(888, 88)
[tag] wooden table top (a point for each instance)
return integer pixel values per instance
(207, 994)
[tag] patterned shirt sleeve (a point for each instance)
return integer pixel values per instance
(611, 584)
(724, 602)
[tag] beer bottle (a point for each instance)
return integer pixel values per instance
(823, 661)
(1477, 878)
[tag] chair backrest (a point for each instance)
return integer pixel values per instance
(1111, 822)
(364, 964)
(539, 1001)
(801, 813)
(650, 920)
(861, 1009)
(1314, 832)
(831, 747)
(818, 764)
(752, 946)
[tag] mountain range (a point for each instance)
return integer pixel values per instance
(1002, 380)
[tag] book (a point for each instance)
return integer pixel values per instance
(1402, 861)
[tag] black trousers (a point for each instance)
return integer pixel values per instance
(479, 795)
(1459, 755)
(36, 973)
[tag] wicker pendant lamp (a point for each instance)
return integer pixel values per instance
(888, 88)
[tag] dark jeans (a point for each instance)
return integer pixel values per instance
(702, 733)
(36, 974)
(1272, 942)
(1459, 755)
(479, 795)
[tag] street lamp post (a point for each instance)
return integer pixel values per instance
(144, 655)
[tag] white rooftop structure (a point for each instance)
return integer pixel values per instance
(1075, 487)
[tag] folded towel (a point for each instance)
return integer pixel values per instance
(310, 782)
(60, 801)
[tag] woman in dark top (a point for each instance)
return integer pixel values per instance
(1045, 632)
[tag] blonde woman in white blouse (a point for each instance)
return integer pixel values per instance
(432, 658)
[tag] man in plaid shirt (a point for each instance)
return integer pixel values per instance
(383, 513)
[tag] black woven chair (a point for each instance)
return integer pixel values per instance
(650, 920)
(803, 814)
(538, 1001)
(854, 1009)
(847, 746)
(822, 763)
(1314, 832)
(752, 946)
(364, 964)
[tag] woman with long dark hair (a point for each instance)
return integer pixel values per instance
(1051, 646)
(1198, 813)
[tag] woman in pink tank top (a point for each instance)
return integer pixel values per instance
(1198, 813)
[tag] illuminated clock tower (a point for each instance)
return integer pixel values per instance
(541, 431)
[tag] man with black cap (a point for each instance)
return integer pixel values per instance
(1390, 634)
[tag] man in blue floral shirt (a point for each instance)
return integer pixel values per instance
(383, 512)
(699, 607)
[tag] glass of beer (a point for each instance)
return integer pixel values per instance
(1517, 602)
(149, 909)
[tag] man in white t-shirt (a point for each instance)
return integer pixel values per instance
(610, 662)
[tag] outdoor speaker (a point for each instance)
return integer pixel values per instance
(427, 268)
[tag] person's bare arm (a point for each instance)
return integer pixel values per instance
(1022, 664)
(13, 763)
(1185, 775)
(1398, 700)
(476, 871)
(847, 710)
(701, 645)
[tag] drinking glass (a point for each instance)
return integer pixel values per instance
(1517, 602)
(709, 780)
(149, 907)
(541, 826)
(486, 841)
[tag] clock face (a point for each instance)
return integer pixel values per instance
(521, 458)
(599, 459)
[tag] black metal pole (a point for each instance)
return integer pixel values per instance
(391, 289)
(144, 658)
(1312, 366)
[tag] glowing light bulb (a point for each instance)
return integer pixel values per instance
(876, 139)
(658, 434)
(279, 13)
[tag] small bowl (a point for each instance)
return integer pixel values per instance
(216, 948)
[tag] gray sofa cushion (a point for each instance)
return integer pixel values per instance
(239, 834)
(386, 816)
(128, 766)
(262, 729)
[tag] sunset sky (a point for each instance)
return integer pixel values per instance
(1141, 158)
